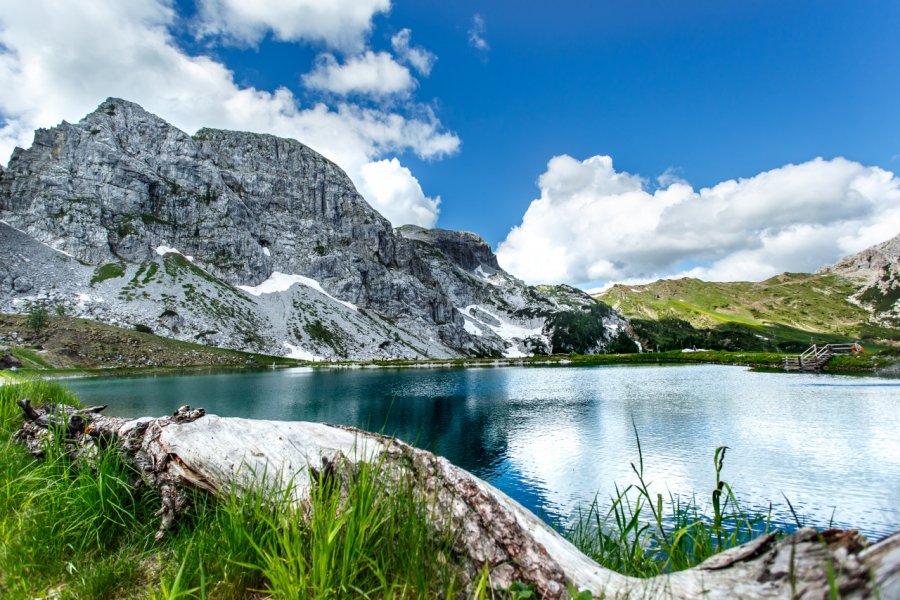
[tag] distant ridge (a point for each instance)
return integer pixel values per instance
(858, 297)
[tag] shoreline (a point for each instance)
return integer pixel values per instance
(763, 361)
(863, 365)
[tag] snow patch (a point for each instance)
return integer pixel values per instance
(513, 352)
(266, 252)
(495, 279)
(282, 282)
(163, 250)
(506, 330)
(300, 354)
(472, 328)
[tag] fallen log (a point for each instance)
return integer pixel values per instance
(190, 450)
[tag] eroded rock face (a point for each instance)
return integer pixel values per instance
(877, 271)
(124, 187)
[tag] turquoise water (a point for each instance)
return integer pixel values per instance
(554, 437)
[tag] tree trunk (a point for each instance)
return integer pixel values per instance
(192, 450)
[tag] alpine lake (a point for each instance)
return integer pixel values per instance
(556, 438)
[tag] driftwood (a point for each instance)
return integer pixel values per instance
(192, 450)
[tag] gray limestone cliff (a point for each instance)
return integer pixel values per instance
(249, 241)
(877, 272)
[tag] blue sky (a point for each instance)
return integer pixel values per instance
(703, 91)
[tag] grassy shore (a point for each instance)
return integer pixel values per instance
(870, 362)
(72, 347)
(73, 531)
(76, 532)
(862, 363)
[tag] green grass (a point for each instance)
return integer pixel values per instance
(86, 533)
(321, 333)
(780, 313)
(643, 534)
(866, 362)
(363, 543)
(61, 523)
(29, 358)
(108, 271)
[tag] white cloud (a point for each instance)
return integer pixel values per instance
(670, 176)
(476, 33)
(342, 24)
(419, 58)
(396, 194)
(593, 224)
(59, 61)
(375, 73)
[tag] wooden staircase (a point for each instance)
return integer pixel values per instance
(816, 357)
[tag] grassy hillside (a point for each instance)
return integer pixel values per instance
(70, 343)
(785, 312)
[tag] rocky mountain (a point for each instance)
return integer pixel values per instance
(258, 243)
(855, 298)
(876, 272)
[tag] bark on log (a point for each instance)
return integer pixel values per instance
(192, 450)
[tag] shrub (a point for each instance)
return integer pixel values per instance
(108, 271)
(37, 318)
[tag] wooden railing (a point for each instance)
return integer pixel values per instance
(816, 357)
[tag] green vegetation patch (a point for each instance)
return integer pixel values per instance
(883, 301)
(89, 533)
(796, 300)
(785, 313)
(580, 331)
(29, 358)
(642, 535)
(149, 219)
(108, 271)
(321, 333)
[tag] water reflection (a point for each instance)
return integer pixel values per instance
(554, 437)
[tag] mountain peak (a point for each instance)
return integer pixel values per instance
(868, 264)
(251, 241)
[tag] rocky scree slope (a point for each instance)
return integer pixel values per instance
(258, 243)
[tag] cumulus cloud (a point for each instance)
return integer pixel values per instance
(476, 34)
(59, 61)
(417, 57)
(593, 224)
(342, 24)
(375, 73)
(395, 193)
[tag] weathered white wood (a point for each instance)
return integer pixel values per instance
(220, 455)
